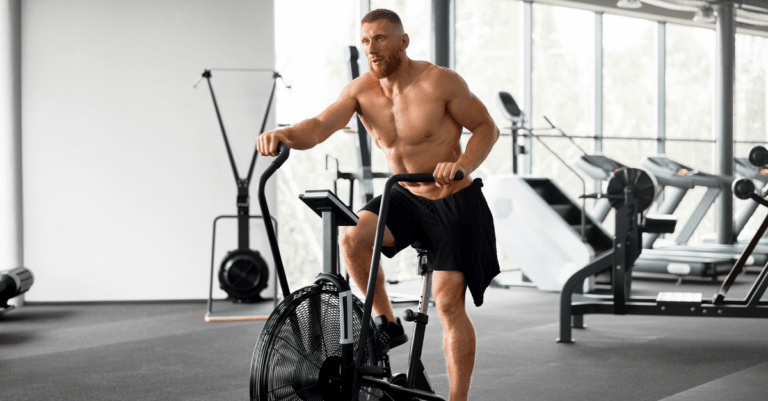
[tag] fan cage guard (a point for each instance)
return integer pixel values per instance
(300, 334)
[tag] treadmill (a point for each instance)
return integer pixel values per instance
(670, 173)
(600, 168)
(760, 177)
(661, 261)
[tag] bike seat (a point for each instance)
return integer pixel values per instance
(420, 246)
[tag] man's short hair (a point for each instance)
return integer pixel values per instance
(381, 13)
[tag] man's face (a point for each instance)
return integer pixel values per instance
(381, 45)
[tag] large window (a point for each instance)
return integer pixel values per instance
(563, 87)
(690, 86)
(415, 16)
(750, 92)
(629, 77)
(488, 58)
(750, 105)
(313, 64)
(629, 91)
(629, 88)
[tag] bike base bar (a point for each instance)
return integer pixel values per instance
(395, 389)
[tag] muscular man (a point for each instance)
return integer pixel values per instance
(414, 112)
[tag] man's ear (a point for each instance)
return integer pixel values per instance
(405, 41)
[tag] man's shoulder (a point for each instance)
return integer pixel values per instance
(447, 81)
(360, 85)
(435, 70)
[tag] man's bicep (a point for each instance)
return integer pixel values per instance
(464, 106)
(337, 115)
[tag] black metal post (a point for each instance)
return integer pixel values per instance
(725, 30)
(330, 243)
(207, 75)
(441, 32)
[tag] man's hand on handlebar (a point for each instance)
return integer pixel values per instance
(445, 172)
(267, 142)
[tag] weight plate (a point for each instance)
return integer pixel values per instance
(642, 185)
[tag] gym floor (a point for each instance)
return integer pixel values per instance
(165, 351)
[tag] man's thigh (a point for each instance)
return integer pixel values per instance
(366, 228)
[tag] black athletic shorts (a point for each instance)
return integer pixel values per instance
(458, 231)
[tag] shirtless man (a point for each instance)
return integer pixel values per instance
(415, 111)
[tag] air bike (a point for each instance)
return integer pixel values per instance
(319, 343)
(630, 192)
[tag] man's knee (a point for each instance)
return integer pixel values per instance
(361, 236)
(449, 294)
(352, 239)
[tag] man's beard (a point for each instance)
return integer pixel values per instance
(388, 67)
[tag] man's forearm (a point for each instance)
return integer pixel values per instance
(479, 146)
(301, 136)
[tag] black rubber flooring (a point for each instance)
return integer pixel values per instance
(165, 351)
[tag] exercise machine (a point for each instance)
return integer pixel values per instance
(600, 168)
(538, 223)
(243, 273)
(630, 224)
(319, 343)
(662, 261)
(13, 283)
(760, 177)
(679, 178)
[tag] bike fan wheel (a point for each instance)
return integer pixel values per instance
(298, 355)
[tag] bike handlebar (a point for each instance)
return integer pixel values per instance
(422, 177)
(285, 151)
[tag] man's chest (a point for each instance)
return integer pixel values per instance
(411, 118)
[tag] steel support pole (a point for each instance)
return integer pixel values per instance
(661, 89)
(661, 94)
(725, 32)
(442, 32)
(527, 46)
(598, 92)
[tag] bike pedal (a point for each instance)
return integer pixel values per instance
(410, 316)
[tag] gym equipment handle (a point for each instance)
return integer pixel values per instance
(758, 156)
(423, 177)
(285, 151)
(743, 188)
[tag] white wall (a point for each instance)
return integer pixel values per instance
(124, 166)
(11, 254)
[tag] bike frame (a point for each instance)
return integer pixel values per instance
(360, 373)
(414, 362)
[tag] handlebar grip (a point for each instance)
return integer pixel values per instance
(758, 156)
(425, 177)
(285, 151)
(743, 188)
